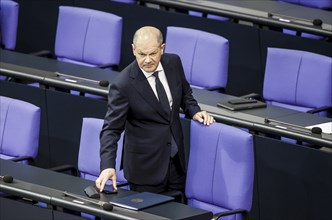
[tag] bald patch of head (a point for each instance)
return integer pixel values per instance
(148, 34)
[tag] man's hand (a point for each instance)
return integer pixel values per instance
(204, 117)
(105, 175)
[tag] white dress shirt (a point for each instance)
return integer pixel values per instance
(162, 77)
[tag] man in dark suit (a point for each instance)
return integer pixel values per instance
(153, 152)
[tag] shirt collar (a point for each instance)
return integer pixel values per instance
(159, 68)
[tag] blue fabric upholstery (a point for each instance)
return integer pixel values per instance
(126, 1)
(306, 35)
(88, 158)
(8, 23)
(88, 37)
(297, 79)
(204, 56)
(19, 129)
(323, 4)
(221, 168)
(210, 16)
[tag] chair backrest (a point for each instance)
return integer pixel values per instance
(19, 128)
(302, 34)
(126, 1)
(89, 159)
(8, 23)
(211, 16)
(297, 79)
(204, 55)
(323, 4)
(221, 168)
(88, 37)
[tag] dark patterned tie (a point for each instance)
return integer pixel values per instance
(162, 94)
(165, 105)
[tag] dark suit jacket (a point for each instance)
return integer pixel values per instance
(133, 107)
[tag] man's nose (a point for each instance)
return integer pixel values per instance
(147, 59)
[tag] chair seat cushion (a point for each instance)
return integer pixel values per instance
(289, 106)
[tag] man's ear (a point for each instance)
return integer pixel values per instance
(133, 48)
(162, 47)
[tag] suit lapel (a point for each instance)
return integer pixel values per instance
(140, 83)
(170, 76)
(170, 73)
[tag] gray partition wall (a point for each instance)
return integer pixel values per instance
(65, 113)
(11, 209)
(293, 181)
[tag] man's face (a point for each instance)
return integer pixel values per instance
(148, 54)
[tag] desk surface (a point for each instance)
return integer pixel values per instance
(252, 119)
(40, 69)
(298, 17)
(50, 185)
(49, 67)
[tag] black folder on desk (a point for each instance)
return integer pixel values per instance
(140, 201)
(241, 104)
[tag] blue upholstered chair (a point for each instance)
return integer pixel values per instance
(298, 80)
(88, 158)
(210, 16)
(9, 11)
(126, 1)
(220, 172)
(204, 56)
(19, 130)
(302, 34)
(322, 4)
(88, 37)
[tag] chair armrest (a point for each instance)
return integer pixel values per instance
(243, 212)
(216, 88)
(67, 167)
(18, 159)
(111, 66)
(320, 109)
(253, 96)
(122, 184)
(177, 195)
(44, 53)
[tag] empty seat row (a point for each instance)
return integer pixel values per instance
(90, 37)
(222, 145)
